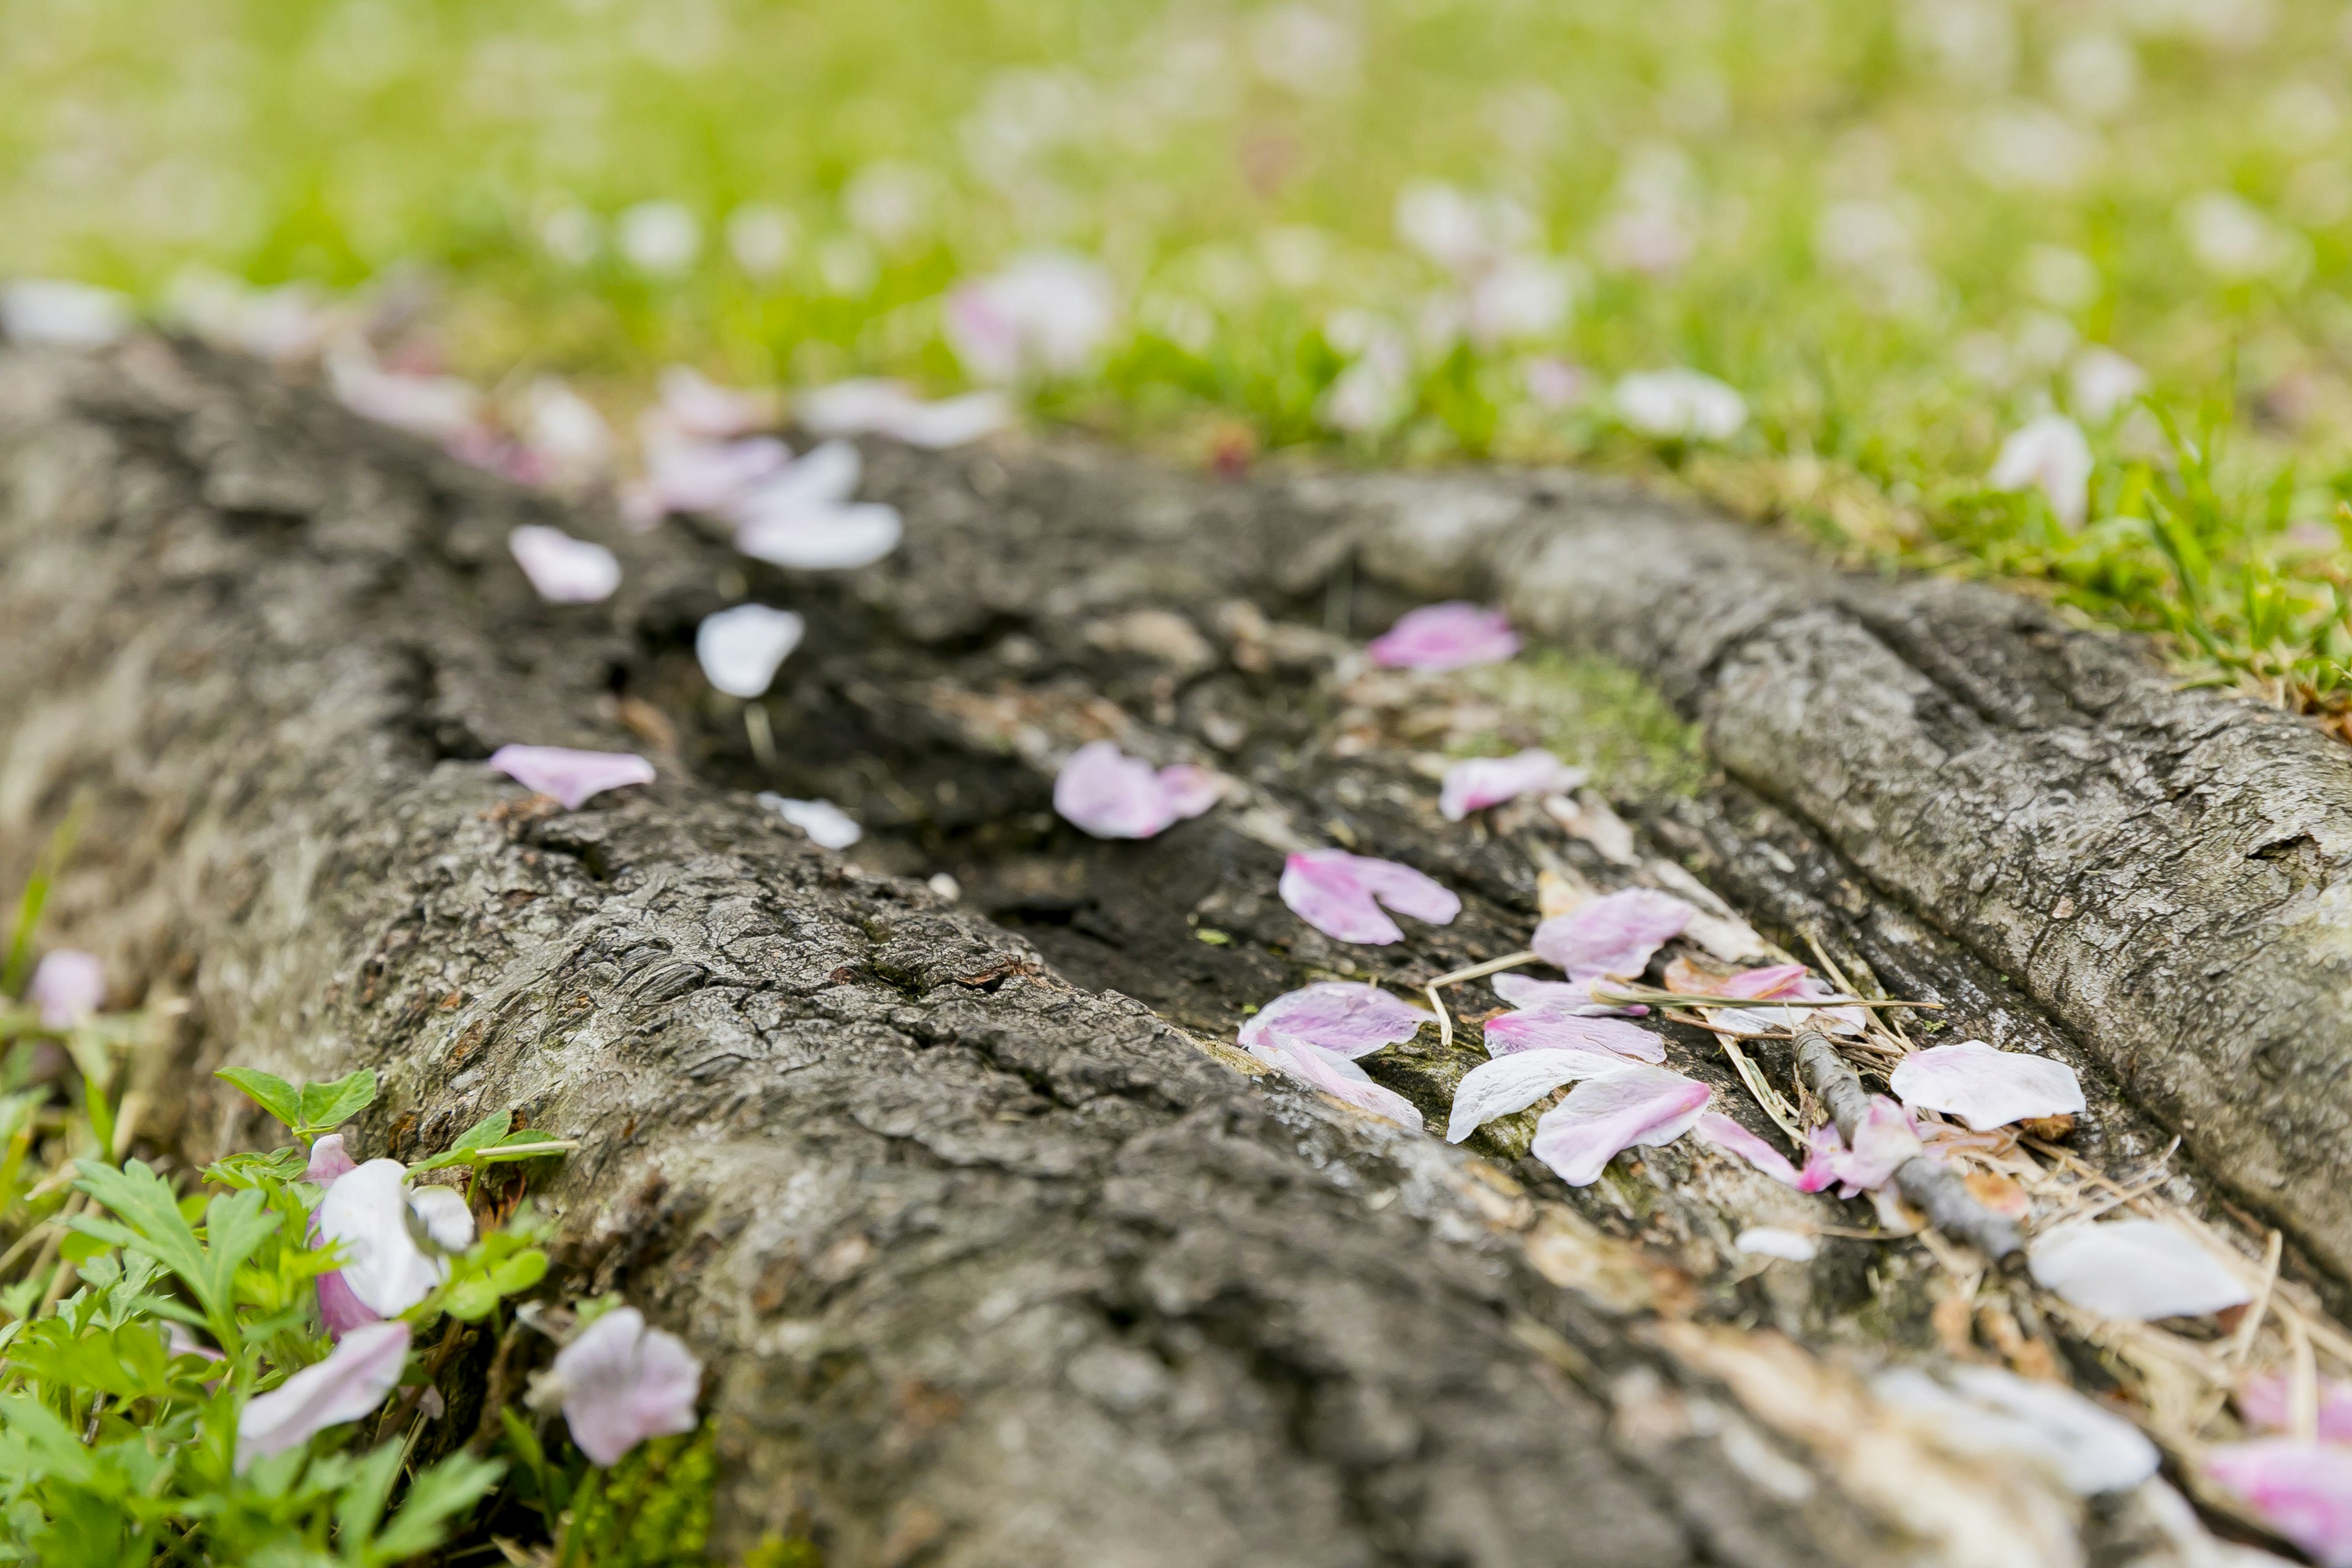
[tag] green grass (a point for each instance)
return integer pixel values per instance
(348, 143)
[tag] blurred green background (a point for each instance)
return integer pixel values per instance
(1898, 230)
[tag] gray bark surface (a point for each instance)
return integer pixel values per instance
(996, 1258)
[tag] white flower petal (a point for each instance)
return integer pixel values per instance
(1513, 1082)
(1984, 1087)
(350, 1383)
(827, 825)
(2134, 1268)
(740, 650)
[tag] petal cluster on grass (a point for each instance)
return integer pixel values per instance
(1985, 1086)
(67, 987)
(573, 777)
(1104, 792)
(564, 570)
(1616, 934)
(350, 1384)
(621, 1382)
(741, 648)
(1604, 1116)
(1346, 1016)
(2137, 1270)
(1340, 895)
(827, 825)
(1452, 635)
(1480, 781)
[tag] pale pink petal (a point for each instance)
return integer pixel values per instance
(1044, 314)
(697, 406)
(565, 571)
(329, 1160)
(740, 650)
(2262, 1401)
(339, 1310)
(1556, 996)
(66, 988)
(1682, 405)
(2049, 454)
(825, 476)
(1452, 635)
(1113, 795)
(2302, 1490)
(826, 539)
(1771, 1241)
(1825, 1156)
(827, 825)
(706, 475)
(1616, 934)
(1188, 791)
(571, 776)
(1733, 1139)
(622, 1382)
(350, 1383)
(1548, 1030)
(448, 1219)
(1333, 891)
(1883, 1140)
(1512, 1083)
(1989, 1410)
(1342, 1015)
(1338, 1077)
(2134, 1268)
(1602, 1117)
(1985, 1086)
(1779, 980)
(438, 406)
(367, 1212)
(952, 421)
(1482, 781)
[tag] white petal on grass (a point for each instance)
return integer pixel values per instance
(2101, 381)
(2049, 454)
(1680, 404)
(1987, 1088)
(1512, 1083)
(59, 312)
(2134, 1268)
(827, 825)
(740, 650)
(350, 1384)
(565, 571)
(662, 239)
(1771, 1241)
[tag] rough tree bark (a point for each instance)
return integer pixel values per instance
(996, 1264)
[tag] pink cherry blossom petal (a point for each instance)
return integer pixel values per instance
(1451, 635)
(67, 987)
(350, 1383)
(1733, 1139)
(825, 477)
(1778, 980)
(565, 571)
(1985, 1086)
(1989, 1410)
(329, 1160)
(1547, 1030)
(1615, 934)
(1482, 781)
(367, 1212)
(701, 476)
(622, 1382)
(1882, 1143)
(340, 1310)
(573, 777)
(2302, 1490)
(1602, 1117)
(1338, 1077)
(1535, 995)
(1112, 795)
(1512, 1083)
(2049, 454)
(2262, 1401)
(1335, 892)
(2134, 1268)
(1341, 1015)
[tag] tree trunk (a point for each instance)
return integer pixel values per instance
(998, 1255)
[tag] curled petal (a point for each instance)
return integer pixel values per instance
(1338, 1077)
(2302, 1490)
(740, 650)
(1733, 1139)
(1112, 795)
(367, 1212)
(2133, 1269)
(1452, 636)
(703, 476)
(1515, 1032)
(1335, 892)
(1481, 782)
(701, 407)
(571, 776)
(66, 988)
(1602, 1117)
(1512, 1083)
(350, 1383)
(1882, 1141)
(1985, 1086)
(621, 1382)
(447, 1221)
(1341, 1016)
(1615, 934)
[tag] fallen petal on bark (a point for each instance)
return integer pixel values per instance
(1602, 1117)
(2134, 1268)
(2302, 1490)
(1104, 792)
(1340, 1016)
(1733, 1139)
(1482, 781)
(1771, 1241)
(827, 825)
(1514, 1082)
(565, 571)
(1338, 1077)
(1525, 991)
(2262, 1404)
(1452, 636)
(1988, 1411)
(1985, 1086)
(740, 650)
(1338, 894)
(1617, 934)
(1515, 1032)
(571, 776)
